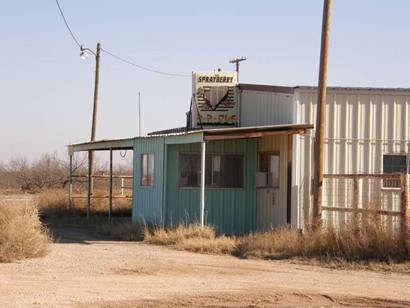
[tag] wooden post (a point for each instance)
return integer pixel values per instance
(404, 223)
(320, 127)
(237, 61)
(70, 182)
(355, 202)
(110, 190)
(95, 108)
(202, 205)
(139, 114)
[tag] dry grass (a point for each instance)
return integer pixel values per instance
(21, 233)
(371, 245)
(191, 238)
(369, 242)
(281, 243)
(53, 207)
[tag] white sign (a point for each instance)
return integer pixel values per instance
(214, 98)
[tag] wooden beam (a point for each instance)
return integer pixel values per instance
(362, 176)
(103, 176)
(216, 137)
(101, 197)
(404, 222)
(363, 211)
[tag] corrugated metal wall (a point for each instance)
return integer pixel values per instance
(231, 211)
(362, 124)
(265, 108)
(273, 213)
(147, 201)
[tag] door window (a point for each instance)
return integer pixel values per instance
(268, 175)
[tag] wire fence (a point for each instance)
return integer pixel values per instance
(348, 198)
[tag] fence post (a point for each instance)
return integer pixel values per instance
(355, 200)
(404, 209)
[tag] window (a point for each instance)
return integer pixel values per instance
(221, 171)
(394, 163)
(189, 170)
(268, 170)
(147, 169)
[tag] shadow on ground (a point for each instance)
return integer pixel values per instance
(79, 230)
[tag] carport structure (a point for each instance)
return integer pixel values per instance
(102, 145)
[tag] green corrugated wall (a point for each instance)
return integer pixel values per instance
(148, 201)
(230, 211)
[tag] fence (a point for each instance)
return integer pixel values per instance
(349, 198)
(19, 199)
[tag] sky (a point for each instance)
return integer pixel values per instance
(46, 90)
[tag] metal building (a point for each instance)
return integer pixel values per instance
(244, 160)
(365, 128)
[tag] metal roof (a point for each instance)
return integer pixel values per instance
(182, 129)
(375, 89)
(291, 89)
(101, 145)
(207, 135)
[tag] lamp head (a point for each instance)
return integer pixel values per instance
(83, 53)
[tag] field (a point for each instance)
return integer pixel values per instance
(84, 269)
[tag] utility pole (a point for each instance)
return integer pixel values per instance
(139, 114)
(237, 61)
(321, 116)
(91, 162)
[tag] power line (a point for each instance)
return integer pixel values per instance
(143, 67)
(66, 24)
(114, 55)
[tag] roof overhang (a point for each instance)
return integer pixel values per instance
(102, 145)
(233, 133)
(255, 132)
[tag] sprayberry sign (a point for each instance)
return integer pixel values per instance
(214, 98)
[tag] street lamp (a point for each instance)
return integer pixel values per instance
(84, 52)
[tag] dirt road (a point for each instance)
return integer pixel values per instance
(82, 270)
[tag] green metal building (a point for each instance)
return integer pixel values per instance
(210, 176)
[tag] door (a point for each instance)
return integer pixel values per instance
(267, 191)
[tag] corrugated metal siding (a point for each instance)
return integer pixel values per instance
(147, 201)
(361, 126)
(230, 211)
(265, 108)
(274, 216)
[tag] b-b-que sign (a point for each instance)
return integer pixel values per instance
(214, 98)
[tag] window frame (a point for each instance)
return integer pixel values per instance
(269, 153)
(211, 155)
(392, 186)
(152, 182)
